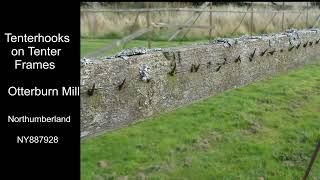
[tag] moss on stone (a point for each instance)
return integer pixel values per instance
(172, 81)
(95, 99)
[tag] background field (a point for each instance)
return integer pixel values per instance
(117, 25)
(267, 130)
(229, 20)
(91, 44)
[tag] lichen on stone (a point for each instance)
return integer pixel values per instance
(85, 61)
(225, 42)
(293, 36)
(144, 73)
(125, 53)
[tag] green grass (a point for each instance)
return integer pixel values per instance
(267, 129)
(89, 45)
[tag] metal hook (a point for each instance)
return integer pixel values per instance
(228, 43)
(252, 55)
(224, 61)
(290, 48)
(121, 85)
(197, 67)
(90, 91)
(253, 52)
(218, 68)
(166, 55)
(271, 52)
(192, 67)
(208, 64)
(173, 69)
(238, 59)
(263, 52)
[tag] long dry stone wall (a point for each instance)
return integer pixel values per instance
(139, 83)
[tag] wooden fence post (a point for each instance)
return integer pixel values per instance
(251, 27)
(148, 25)
(282, 28)
(210, 31)
(307, 15)
(168, 13)
(190, 21)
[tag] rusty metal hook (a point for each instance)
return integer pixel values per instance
(271, 52)
(192, 67)
(209, 64)
(224, 61)
(197, 67)
(121, 84)
(238, 59)
(218, 68)
(290, 48)
(91, 91)
(263, 52)
(173, 69)
(252, 55)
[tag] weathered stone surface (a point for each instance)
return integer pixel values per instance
(143, 85)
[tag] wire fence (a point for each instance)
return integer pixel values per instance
(190, 23)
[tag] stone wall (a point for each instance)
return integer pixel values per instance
(129, 88)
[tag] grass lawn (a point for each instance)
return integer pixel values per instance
(90, 45)
(266, 130)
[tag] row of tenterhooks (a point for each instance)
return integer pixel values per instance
(195, 67)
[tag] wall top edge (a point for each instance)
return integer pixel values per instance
(292, 34)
